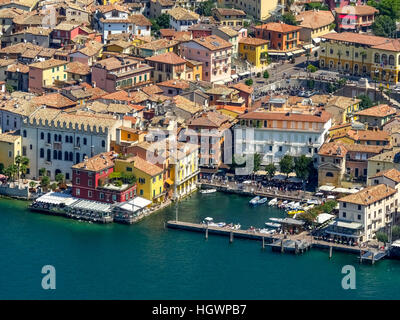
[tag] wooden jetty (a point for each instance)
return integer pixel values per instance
(241, 234)
(372, 256)
(256, 192)
(279, 242)
(288, 245)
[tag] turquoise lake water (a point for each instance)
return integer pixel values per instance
(146, 261)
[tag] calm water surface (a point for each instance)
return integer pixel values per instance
(146, 261)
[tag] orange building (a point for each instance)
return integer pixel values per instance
(281, 36)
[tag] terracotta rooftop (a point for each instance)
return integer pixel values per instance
(242, 87)
(48, 64)
(213, 42)
(54, 100)
(369, 195)
(97, 163)
(179, 13)
(77, 67)
(315, 19)
(159, 44)
(253, 41)
(380, 111)
(392, 174)
(233, 13)
(10, 137)
(360, 38)
(145, 166)
(278, 27)
(365, 135)
(178, 83)
(357, 10)
(153, 89)
(209, 119)
(18, 67)
(167, 58)
(288, 116)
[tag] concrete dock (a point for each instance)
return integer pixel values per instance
(278, 242)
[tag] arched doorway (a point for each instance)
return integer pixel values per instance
(356, 69)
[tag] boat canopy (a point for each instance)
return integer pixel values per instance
(326, 188)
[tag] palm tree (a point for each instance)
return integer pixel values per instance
(11, 171)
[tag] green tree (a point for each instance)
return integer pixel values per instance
(289, 18)
(60, 178)
(270, 169)
(45, 182)
(9, 88)
(266, 74)
(42, 172)
(311, 68)
(390, 8)
(316, 6)
(302, 167)
(11, 172)
(249, 82)
(22, 164)
(32, 184)
(257, 161)
(382, 237)
(128, 178)
(53, 186)
(396, 232)
(205, 8)
(384, 26)
(286, 165)
(366, 102)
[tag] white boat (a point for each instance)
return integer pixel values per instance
(290, 205)
(276, 219)
(283, 204)
(267, 231)
(236, 226)
(254, 201)
(208, 191)
(262, 201)
(221, 224)
(273, 202)
(208, 220)
(273, 224)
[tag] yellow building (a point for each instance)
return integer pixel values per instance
(149, 177)
(194, 70)
(46, 73)
(255, 51)
(259, 9)
(367, 55)
(314, 24)
(184, 169)
(10, 147)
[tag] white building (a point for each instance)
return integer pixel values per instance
(181, 19)
(366, 212)
(275, 134)
(114, 19)
(56, 140)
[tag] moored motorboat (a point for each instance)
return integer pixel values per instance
(254, 201)
(273, 224)
(206, 191)
(276, 219)
(273, 202)
(262, 201)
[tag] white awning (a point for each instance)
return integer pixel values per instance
(316, 40)
(308, 46)
(289, 54)
(276, 53)
(298, 51)
(219, 82)
(326, 188)
(234, 76)
(244, 73)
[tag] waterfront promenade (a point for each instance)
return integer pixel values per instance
(255, 189)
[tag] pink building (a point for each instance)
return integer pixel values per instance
(201, 30)
(341, 3)
(215, 54)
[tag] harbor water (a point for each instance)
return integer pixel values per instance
(147, 261)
